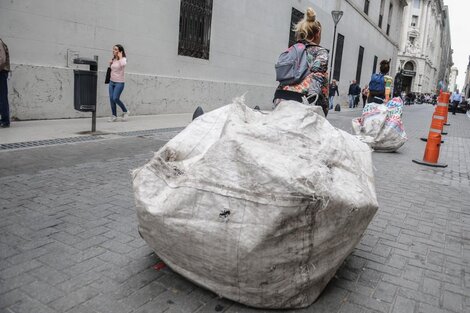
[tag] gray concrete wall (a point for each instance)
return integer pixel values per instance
(40, 92)
(246, 38)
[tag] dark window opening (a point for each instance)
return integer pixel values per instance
(295, 17)
(195, 28)
(389, 20)
(338, 57)
(409, 66)
(374, 67)
(359, 64)
(366, 7)
(381, 13)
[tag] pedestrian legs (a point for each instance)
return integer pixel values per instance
(331, 102)
(115, 90)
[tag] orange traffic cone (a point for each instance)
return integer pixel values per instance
(431, 153)
(442, 107)
(445, 96)
(440, 113)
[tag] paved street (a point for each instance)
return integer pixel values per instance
(69, 241)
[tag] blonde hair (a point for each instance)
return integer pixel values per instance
(308, 27)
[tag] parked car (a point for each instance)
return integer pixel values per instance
(462, 107)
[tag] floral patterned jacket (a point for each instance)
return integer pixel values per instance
(317, 81)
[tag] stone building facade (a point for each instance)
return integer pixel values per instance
(181, 53)
(425, 53)
(454, 73)
(466, 83)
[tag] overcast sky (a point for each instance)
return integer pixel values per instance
(459, 11)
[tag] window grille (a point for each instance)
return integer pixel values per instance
(295, 17)
(381, 14)
(338, 57)
(366, 7)
(389, 20)
(359, 64)
(195, 28)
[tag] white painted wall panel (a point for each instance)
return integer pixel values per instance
(247, 36)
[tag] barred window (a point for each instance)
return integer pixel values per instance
(381, 15)
(359, 64)
(389, 22)
(338, 56)
(195, 28)
(295, 17)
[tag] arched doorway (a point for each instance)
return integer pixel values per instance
(408, 73)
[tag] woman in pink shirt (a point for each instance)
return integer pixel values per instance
(116, 83)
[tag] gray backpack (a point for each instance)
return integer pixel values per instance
(292, 65)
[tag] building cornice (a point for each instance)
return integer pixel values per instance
(371, 22)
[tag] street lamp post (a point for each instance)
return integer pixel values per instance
(336, 17)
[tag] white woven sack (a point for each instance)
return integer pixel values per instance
(372, 128)
(260, 208)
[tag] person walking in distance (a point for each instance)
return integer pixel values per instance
(332, 90)
(353, 93)
(365, 94)
(314, 86)
(4, 70)
(380, 84)
(116, 83)
(456, 98)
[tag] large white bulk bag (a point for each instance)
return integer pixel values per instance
(260, 208)
(381, 126)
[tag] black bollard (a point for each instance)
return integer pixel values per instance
(197, 113)
(338, 107)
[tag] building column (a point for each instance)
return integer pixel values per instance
(404, 31)
(424, 34)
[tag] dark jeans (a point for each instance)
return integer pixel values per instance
(295, 96)
(454, 106)
(115, 90)
(4, 106)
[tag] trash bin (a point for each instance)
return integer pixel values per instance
(85, 84)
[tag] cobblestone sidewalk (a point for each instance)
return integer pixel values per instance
(69, 241)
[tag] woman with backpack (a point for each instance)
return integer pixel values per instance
(314, 86)
(380, 84)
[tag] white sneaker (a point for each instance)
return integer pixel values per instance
(125, 115)
(112, 119)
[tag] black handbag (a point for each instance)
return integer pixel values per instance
(108, 76)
